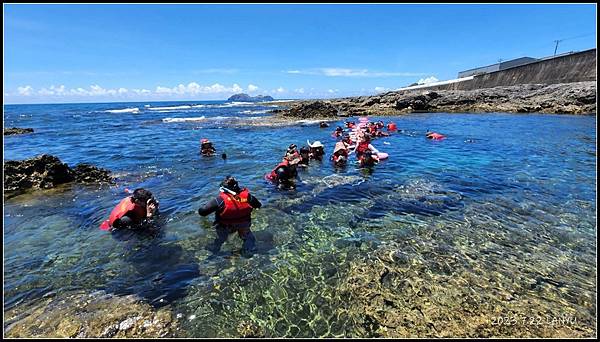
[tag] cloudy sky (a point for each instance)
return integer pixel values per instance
(118, 53)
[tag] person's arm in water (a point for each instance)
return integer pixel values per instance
(210, 207)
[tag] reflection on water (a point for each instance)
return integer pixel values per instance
(441, 239)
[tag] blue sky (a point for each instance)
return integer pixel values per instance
(113, 53)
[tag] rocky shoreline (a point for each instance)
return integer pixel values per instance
(565, 98)
(46, 171)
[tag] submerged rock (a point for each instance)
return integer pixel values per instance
(46, 171)
(16, 130)
(89, 315)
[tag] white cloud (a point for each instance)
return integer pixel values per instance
(332, 91)
(25, 91)
(280, 90)
(161, 92)
(428, 80)
(345, 72)
(299, 90)
(380, 89)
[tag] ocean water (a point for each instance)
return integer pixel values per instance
(514, 192)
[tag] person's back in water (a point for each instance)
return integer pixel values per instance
(206, 148)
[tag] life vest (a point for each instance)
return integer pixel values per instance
(124, 207)
(436, 136)
(237, 209)
(391, 126)
(362, 147)
(273, 174)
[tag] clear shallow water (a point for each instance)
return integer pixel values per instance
(518, 202)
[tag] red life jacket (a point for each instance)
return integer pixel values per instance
(436, 136)
(391, 126)
(273, 175)
(126, 206)
(362, 147)
(237, 209)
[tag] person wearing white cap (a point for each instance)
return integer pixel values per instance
(316, 150)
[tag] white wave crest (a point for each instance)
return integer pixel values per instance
(201, 118)
(125, 110)
(171, 108)
(254, 111)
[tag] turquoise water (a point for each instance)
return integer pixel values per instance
(516, 191)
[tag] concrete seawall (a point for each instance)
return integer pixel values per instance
(577, 67)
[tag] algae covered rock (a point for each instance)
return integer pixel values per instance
(89, 315)
(16, 130)
(46, 171)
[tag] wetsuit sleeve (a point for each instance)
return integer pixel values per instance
(210, 207)
(254, 202)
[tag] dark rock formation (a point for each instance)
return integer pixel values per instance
(248, 98)
(312, 109)
(16, 130)
(565, 98)
(46, 171)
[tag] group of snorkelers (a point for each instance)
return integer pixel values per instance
(233, 205)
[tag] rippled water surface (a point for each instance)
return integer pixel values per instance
(504, 207)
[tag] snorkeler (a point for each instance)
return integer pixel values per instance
(285, 173)
(232, 208)
(133, 212)
(206, 148)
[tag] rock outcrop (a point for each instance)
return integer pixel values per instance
(46, 171)
(311, 109)
(16, 130)
(80, 315)
(565, 98)
(248, 98)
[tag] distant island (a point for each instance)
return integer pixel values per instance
(248, 98)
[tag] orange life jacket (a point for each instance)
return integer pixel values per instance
(362, 147)
(273, 175)
(126, 206)
(237, 209)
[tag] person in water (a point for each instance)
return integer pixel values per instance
(133, 212)
(292, 151)
(285, 173)
(338, 131)
(304, 156)
(323, 124)
(233, 208)
(316, 150)
(434, 135)
(368, 159)
(206, 148)
(340, 153)
(365, 145)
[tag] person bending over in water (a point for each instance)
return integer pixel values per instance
(133, 212)
(232, 208)
(292, 152)
(434, 135)
(206, 148)
(285, 173)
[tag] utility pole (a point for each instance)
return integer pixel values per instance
(556, 47)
